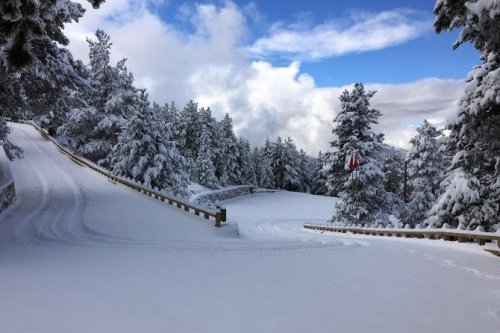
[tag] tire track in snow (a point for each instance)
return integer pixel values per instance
(42, 225)
(26, 231)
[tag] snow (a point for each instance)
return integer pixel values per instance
(5, 174)
(79, 253)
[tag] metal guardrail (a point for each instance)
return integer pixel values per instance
(481, 238)
(188, 207)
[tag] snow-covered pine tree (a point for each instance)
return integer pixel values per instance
(49, 88)
(146, 152)
(44, 91)
(11, 150)
(393, 169)
(12, 103)
(248, 174)
(290, 162)
(425, 172)
(276, 156)
(10, 106)
(190, 129)
(227, 169)
(305, 172)
(256, 160)
(205, 169)
(172, 117)
(362, 199)
(319, 176)
(206, 118)
(29, 25)
(472, 187)
(93, 128)
(265, 167)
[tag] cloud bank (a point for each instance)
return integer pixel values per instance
(208, 62)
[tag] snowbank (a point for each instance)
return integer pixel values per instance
(7, 187)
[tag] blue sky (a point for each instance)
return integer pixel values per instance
(428, 55)
(278, 67)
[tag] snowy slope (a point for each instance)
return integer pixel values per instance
(81, 254)
(67, 203)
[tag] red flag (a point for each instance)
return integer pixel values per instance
(353, 162)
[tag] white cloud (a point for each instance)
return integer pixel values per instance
(271, 101)
(364, 32)
(161, 56)
(208, 65)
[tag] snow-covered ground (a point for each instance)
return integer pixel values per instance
(81, 254)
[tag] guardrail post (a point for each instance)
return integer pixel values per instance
(218, 218)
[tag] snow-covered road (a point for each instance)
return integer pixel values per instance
(62, 202)
(81, 254)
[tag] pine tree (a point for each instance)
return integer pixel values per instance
(146, 152)
(227, 162)
(205, 169)
(472, 186)
(256, 161)
(290, 162)
(190, 131)
(49, 88)
(425, 173)
(12, 103)
(265, 166)
(248, 174)
(29, 26)
(362, 199)
(93, 128)
(276, 156)
(11, 150)
(319, 176)
(305, 172)
(30, 35)
(46, 90)
(393, 169)
(171, 115)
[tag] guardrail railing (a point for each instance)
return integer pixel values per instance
(481, 238)
(188, 207)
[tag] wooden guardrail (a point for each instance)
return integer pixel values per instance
(481, 238)
(188, 207)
